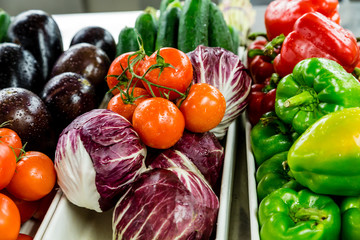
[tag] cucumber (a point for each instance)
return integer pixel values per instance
(219, 34)
(146, 25)
(163, 5)
(167, 35)
(193, 25)
(235, 35)
(127, 41)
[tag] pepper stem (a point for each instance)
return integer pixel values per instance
(274, 43)
(297, 100)
(306, 214)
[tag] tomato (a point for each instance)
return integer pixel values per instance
(203, 108)
(9, 218)
(117, 67)
(7, 165)
(126, 109)
(23, 236)
(11, 138)
(159, 123)
(178, 77)
(34, 177)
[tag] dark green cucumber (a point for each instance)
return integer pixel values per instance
(127, 41)
(146, 25)
(235, 35)
(163, 5)
(5, 20)
(167, 35)
(219, 34)
(193, 25)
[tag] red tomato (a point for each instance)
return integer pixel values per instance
(11, 138)
(24, 237)
(117, 67)
(7, 165)
(9, 218)
(178, 77)
(159, 123)
(203, 108)
(34, 177)
(126, 109)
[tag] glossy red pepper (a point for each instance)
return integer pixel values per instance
(280, 15)
(314, 35)
(261, 100)
(260, 66)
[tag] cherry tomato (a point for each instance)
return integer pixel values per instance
(7, 165)
(11, 138)
(126, 109)
(178, 77)
(159, 123)
(203, 108)
(117, 67)
(23, 236)
(34, 177)
(9, 218)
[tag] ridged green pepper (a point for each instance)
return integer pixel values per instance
(4, 24)
(316, 87)
(274, 174)
(269, 137)
(350, 218)
(326, 157)
(287, 214)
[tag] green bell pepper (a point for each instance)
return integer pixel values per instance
(287, 214)
(350, 218)
(326, 157)
(274, 174)
(4, 25)
(316, 87)
(269, 136)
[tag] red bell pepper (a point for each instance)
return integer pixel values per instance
(281, 15)
(314, 35)
(262, 99)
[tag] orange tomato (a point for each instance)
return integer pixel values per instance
(34, 177)
(12, 139)
(126, 107)
(7, 165)
(116, 68)
(9, 218)
(177, 76)
(203, 108)
(159, 123)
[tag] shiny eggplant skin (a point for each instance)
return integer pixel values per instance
(97, 36)
(38, 33)
(87, 60)
(19, 68)
(29, 117)
(67, 96)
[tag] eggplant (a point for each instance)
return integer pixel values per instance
(67, 96)
(98, 37)
(29, 118)
(19, 68)
(38, 33)
(87, 60)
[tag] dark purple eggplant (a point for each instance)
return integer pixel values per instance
(38, 33)
(67, 96)
(29, 118)
(97, 36)
(87, 60)
(19, 68)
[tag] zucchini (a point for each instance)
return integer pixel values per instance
(146, 25)
(235, 35)
(127, 41)
(193, 25)
(219, 34)
(167, 35)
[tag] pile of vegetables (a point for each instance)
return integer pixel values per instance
(304, 110)
(146, 143)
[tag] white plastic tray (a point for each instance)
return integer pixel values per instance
(72, 222)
